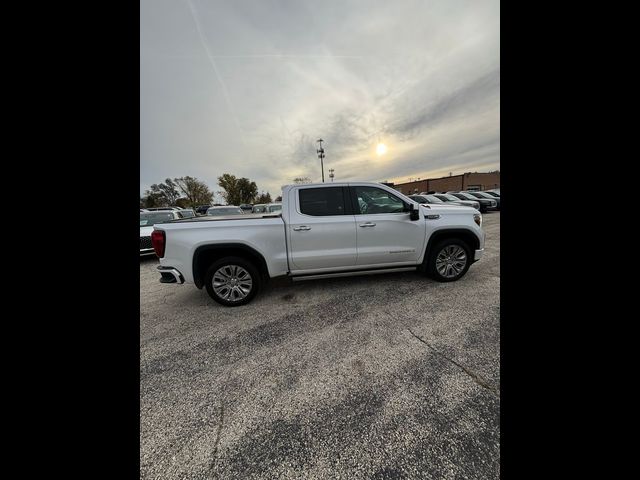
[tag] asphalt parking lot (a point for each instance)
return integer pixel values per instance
(385, 376)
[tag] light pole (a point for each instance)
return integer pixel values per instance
(331, 174)
(320, 152)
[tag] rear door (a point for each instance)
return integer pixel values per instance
(322, 228)
(386, 234)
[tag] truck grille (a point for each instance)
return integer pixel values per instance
(145, 242)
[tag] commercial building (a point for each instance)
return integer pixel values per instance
(465, 181)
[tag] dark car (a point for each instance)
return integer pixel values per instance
(246, 206)
(202, 209)
(448, 198)
(485, 203)
(492, 193)
(422, 198)
(486, 196)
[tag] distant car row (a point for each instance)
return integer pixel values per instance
(150, 216)
(180, 212)
(482, 201)
(239, 210)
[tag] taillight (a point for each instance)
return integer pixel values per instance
(158, 241)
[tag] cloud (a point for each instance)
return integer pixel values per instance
(248, 87)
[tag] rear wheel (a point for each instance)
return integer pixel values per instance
(449, 260)
(232, 281)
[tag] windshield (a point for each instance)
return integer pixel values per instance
(433, 199)
(447, 197)
(259, 208)
(464, 196)
(151, 218)
(479, 194)
(224, 211)
(275, 208)
(187, 213)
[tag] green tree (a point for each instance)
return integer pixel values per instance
(161, 194)
(183, 203)
(278, 199)
(237, 190)
(194, 191)
(264, 198)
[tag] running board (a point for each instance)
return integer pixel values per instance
(352, 273)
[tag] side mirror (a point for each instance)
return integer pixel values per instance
(414, 212)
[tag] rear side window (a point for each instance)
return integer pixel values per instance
(322, 201)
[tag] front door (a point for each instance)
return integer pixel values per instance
(386, 234)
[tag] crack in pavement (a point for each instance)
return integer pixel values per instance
(474, 376)
(218, 435)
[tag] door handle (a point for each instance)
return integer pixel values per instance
(301, 227)
(368, 224)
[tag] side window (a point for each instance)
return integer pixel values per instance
(322, 201)
(373, 200)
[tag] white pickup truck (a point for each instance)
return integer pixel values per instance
(324, 230)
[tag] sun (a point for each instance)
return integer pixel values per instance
(381, 149)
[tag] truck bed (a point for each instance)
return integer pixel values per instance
(262, 232)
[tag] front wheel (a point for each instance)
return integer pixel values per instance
(449, 260)
(232, 281)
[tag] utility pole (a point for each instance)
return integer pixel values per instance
(320, 152)
(331, 174)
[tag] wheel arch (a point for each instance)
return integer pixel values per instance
(205, 255)
(466, 235)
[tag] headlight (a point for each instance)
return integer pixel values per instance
(478, 219)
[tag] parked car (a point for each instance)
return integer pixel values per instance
(448, 198)
(202, 209)
(274, 208)
(334, 230)
(423, 198)
(486, 196)
(187, 213)
(485, 203)
(267, 208)
(493, 193)
(147, 221)
(225, 210)
(247, 207)
(159, 209)
(433, 199)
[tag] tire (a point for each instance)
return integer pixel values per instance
(230, 273)
(439, 266)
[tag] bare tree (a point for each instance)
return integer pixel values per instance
(299, 180)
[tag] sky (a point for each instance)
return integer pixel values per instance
(246, 87)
